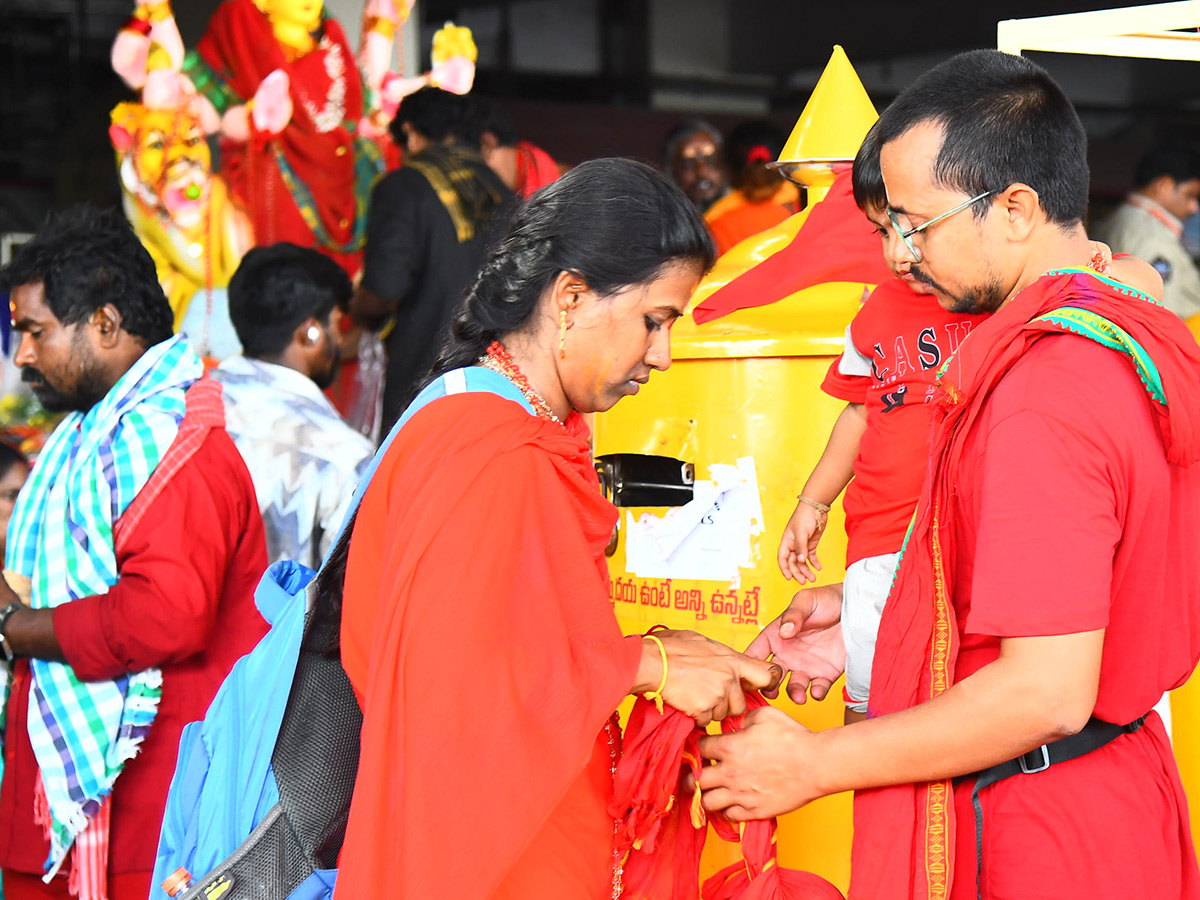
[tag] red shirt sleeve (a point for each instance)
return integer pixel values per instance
(851, 388)
(162, 609)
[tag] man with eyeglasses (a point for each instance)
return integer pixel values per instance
(1047, 593)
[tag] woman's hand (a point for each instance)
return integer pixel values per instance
(704, 677)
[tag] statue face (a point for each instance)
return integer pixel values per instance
(171, 161)
(305, 14)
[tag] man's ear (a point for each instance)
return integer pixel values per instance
(487, 144)
(1161, 186)
(308, 333)
(1022, 210)
(107, 321)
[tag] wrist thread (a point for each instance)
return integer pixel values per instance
(820, 507)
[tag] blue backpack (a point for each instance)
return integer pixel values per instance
(261, 793)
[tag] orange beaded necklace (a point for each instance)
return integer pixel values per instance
(499, 360)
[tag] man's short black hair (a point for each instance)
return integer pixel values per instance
(85, 258)
(1179, 161)
(485, 116)
(435, 113)
(276, 288)
(1006, 121)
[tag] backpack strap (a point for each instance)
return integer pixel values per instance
(471, 379)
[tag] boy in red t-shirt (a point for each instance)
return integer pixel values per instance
(878, 448)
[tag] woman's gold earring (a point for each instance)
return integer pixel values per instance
(562, 334)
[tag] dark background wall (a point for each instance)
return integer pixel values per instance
(584, 78)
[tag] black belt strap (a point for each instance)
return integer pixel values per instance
(1095, 734)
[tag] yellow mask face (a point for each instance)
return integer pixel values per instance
(301, 14)
(170, 156)
(167, 141)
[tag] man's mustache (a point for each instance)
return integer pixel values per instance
(921, 276)
(30, 375)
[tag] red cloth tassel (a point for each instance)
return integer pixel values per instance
(662, 827)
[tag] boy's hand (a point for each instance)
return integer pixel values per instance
(798, 548)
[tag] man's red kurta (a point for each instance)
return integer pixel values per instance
(1070, 519)
(185, 603)
(1061, 498)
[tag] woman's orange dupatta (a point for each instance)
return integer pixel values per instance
(903, 835)
(479, 636)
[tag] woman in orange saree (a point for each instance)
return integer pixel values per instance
(477, 630)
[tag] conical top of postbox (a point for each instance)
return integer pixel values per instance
(836, 118)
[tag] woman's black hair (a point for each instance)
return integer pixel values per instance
(615, 223)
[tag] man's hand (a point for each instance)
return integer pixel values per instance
(764, 770)
(798, 548)
(806, 639)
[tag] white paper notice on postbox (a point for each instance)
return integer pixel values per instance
(709, 538)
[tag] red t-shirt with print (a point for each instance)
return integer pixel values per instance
(906, 336)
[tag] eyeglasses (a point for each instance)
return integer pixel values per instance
(906, 236)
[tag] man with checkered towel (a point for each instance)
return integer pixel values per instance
(132, 556)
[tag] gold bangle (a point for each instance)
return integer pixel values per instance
(656, 695)
(815, 504)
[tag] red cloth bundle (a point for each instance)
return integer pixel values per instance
(662, 828)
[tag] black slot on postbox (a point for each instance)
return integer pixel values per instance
(640, 479)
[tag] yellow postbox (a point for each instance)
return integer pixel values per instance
(745, 387)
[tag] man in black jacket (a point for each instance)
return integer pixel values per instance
(428, 228)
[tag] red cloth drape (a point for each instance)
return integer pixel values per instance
(241, 47)
(835, 243)
(903, 835)
(478, 634)
(662, 827)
